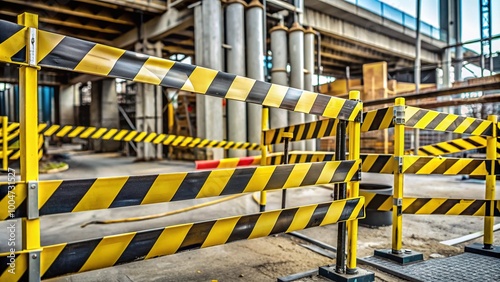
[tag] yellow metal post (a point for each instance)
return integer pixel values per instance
(263, 152)
(399, 145)
(5, 144)
(491, 155)
(28, 85)
(354, 133)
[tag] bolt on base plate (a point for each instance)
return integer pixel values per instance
(361, 276)
(406, 257)
(477, 248)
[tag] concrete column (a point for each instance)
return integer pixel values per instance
(255, 66)
(208, 52)
(235, 58)
(279, 117)
(67, 104)
(104, 112)
(149, 108)
(296, 47)
(308, 76)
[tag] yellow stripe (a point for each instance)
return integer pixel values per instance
(159, 138)
(87, 132)
(13, 45)
(21, 268)
(228, 163)
(150, 137)
(169, 139)
(265, 224)
(120, 134)
(109, 134)
(169, 241)
(20, 196)
(140, 137)
(154, 70)
(460, 207)
(50, 131)
(220, 231)
(50, 254)
(333, 108)
(327, 172)
(334, 212)
(99, 133)
(312, 127)
(215, 183)
(64, 131)
(357, 109)
(130, 136)
(101, 194)
(259, 179)
(430, 206)
(302, 218)
(240, 88)
(297, 175)
(47, 42)
(482, 127)
(164, 188)
(76, 131)
(464, 125)
(446, 122)
(46, 190)
(199, 80)
(108, 251)
(99, 60)
(306, 101)
(275, 95)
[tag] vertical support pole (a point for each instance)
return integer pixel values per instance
(28, 85)
(397, 205)
(263, 156)
(354, 132)
(340, 153)
(491, 155)
(5, 143)
(287, 136)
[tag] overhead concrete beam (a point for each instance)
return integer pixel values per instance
(158, 27)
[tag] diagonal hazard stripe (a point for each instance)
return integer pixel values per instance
(309, 130)
(454, 146)
(108, 251)
(445, 166)
(378, 119)
(12, 42)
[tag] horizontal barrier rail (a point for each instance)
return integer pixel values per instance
(112, 250)
(15, 153)
(454, 146)
(378, 119)
(433, 120)
(375, 163)
(62, 196)
(441, 206)
(445, 166)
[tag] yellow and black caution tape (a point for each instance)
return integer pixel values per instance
(445, 166)
(62, 196)
(15, 153)
(433, 120)
(377, 163)
(441, 206)
(108, 251)
(454, 146)
(378, 119)
(297, 157)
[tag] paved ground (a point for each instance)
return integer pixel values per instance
(262, 259)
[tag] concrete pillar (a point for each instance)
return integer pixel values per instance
(148, 108)
(104, 112)
(235, 58)
(255, 66)
(308, 76)
(279, 117)
(208, 52)
(67, 104)
(446, 64)
(296, 47)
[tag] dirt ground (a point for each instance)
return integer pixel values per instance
(262, 259)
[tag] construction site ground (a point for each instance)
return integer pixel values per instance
(263, 259)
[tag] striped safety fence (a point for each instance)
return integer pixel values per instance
(454, 146)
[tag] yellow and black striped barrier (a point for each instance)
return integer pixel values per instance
(117, 249)
(375, 163)
(454, 146)
(14, 153)
(62, 196)
(445, 166)
(435, 206)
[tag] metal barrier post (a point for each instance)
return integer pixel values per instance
(263, 153)
(5, 143)
(491, 155)
(287, 136)
(28, 85)
(354, 154)
(340, 153)
(399, 146)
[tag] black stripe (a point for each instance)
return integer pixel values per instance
(454, 144)
(243, 228)
(473, 126)
(349, 209)
(140, 246)
(313, 174)
(291, 99)
(341, 172)
(347, 109)
(60, 129)
(474, 207)
(191, 185)
(134, 191)
(258, 92)
(284, 220)
(20, 56)
(307, 127)
(446, 206)
(72, 258)
(238, 181)
(436, 121)
(68, 53)
(377, 201)
(5, 265)
(128, 65)
(416, 117)
(279, 177)
(468, 169)
(295, 132)
(8, 30)
(196, 235)
(320, 104)
(416, 205)
(177, 75)
(318, 215)
(474, 143)
(379, 163)
(317, 128)
(221, 84)
(275, 137)
(377, 120)
(444, 166)
(416, 166)
(488, 131)
(456, 123)
(443, 150)
(330, 128)
(425, 151)
(66, 196)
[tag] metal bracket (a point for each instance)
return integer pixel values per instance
(399, 161)
(34, 266)
(32, 47)
(399, 115)
(33, 200)
(398, 202)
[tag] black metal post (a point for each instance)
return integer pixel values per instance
(285, 161)
(341, 193)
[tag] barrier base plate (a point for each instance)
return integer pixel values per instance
(477, 248)
(404, 258)
(362, 275)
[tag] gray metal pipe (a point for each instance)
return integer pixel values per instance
(255, 65)
(296, 47)
(235, 58)
(308, 76)
(279, 117)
